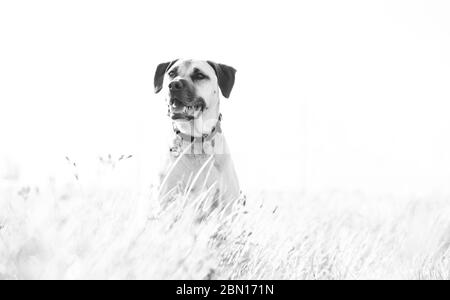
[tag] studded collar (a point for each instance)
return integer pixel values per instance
(204, 138)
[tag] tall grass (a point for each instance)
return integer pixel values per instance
(79, 231)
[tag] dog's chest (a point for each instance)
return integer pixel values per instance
(199, 165)
(189, 159)
(191, 165)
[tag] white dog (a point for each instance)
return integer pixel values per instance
(198, 158)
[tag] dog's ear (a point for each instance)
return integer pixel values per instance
(225, 77)
(159, 74)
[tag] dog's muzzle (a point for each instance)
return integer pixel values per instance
(183, 104)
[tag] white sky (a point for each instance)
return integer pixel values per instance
(329, 94)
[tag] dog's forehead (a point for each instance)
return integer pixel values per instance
(188, 66)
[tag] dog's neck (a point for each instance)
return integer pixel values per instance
(198, 132)
(200, 126)
(200, 146)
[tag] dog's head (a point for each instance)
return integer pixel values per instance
(191, 87)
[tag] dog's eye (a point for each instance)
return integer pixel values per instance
(199, 76)
(172, 73)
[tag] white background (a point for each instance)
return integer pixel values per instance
(350, 95)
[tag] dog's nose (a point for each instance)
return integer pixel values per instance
(176, 85)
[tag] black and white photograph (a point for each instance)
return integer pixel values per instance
(234, 141)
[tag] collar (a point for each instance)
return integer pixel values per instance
(204, 138)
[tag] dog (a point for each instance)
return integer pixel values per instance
(197, 159)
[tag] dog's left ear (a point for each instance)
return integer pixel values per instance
(225, 76)
(159, 74)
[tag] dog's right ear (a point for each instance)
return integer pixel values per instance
(159, 74)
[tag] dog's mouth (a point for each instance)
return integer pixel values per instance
(181, 110)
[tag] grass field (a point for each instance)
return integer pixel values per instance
(102, 231)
